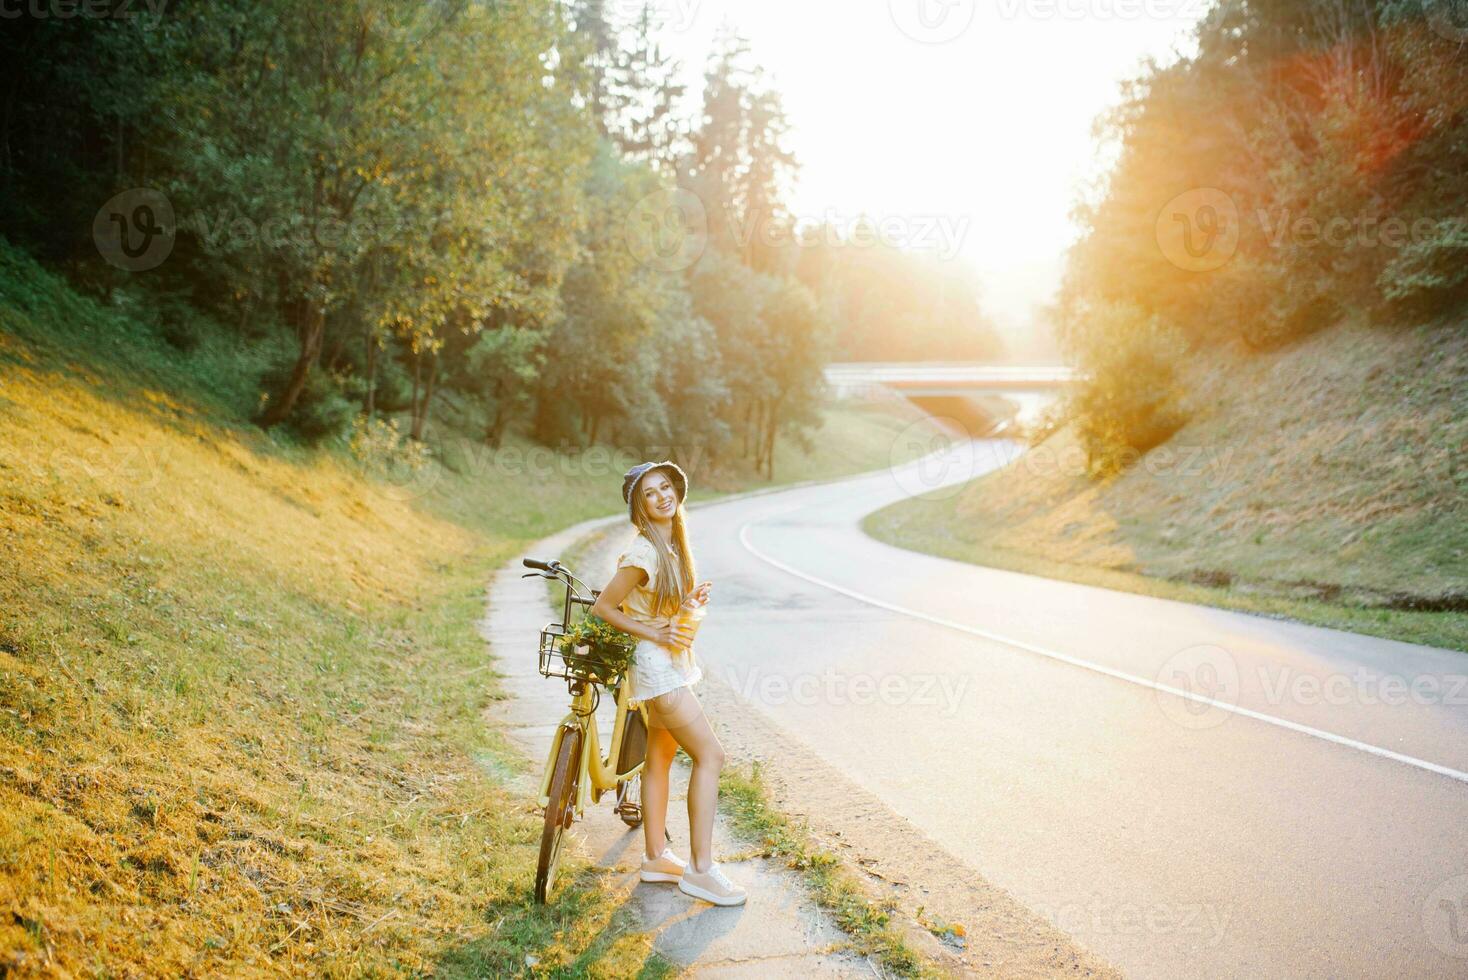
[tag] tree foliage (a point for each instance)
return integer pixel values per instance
(1308, 162)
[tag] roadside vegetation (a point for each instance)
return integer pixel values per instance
(241, 688)
(869, 921)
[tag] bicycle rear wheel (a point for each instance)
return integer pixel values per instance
(560, 809)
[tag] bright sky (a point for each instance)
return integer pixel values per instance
(967, 124)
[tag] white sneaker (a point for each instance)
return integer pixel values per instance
(667, 866)
(712, 886)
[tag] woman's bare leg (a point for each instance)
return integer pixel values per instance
(679, 713)
(661, 747)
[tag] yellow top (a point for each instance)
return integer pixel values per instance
(640, 602)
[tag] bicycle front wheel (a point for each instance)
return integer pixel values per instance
(560, 809)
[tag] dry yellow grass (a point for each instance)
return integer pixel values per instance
(222, 734)
(241, 690)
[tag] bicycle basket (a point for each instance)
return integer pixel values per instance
(561, 656)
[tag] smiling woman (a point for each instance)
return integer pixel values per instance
(644, 598)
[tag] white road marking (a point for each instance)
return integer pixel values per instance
(1120, 675)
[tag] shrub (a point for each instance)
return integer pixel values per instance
(1129, 401)
(380, 445)
(1430, 275)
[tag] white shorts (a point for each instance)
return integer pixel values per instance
(657, 671)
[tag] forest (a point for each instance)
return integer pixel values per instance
(499, 214)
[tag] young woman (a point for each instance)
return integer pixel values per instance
(653, 581)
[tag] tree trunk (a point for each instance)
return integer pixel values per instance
(417, 384)
(773, 434)
(420, 414)
(280, 408)
(333, 360)
(369, 402)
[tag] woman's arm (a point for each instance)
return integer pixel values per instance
(621, 585)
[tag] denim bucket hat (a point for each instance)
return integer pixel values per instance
(675, 474)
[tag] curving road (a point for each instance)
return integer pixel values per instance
(1186, 791)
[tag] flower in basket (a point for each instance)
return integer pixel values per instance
(596, 649)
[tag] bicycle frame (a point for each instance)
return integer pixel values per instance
(598, 774)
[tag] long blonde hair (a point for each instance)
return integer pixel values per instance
(675, 578)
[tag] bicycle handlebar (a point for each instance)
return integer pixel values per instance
(550, 566)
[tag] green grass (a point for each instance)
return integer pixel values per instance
(1326, 484)
(743, 795)
(242, 696)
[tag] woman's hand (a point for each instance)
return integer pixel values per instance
(673, 634)
(700, 594)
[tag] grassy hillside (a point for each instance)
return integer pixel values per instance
(241, 693)
(1327, 483)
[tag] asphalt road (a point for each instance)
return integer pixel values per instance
(1186, 791)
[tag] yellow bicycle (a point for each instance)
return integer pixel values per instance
(575, 768)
